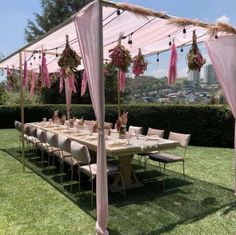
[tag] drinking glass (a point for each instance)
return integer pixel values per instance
(137, 133)
(44, 121)
(128, 137)
(90, 128)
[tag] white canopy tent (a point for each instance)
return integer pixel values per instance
(100, 23)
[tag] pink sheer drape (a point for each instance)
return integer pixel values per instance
(222, 53)
(88, 24)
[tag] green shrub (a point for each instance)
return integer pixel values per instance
(208, 125)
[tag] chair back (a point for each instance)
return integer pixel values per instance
(41, 135)
(33, 131)
(64, 143)
(27, 130)
(80, 153)
(52, 139)
(133, 129)
(152, 131)
(17, 125)
(183, 139)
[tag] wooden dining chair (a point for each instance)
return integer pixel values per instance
(81, 154)
(167, 158)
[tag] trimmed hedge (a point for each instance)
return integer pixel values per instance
(208, 125)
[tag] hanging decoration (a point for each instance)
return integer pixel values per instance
(139, 64)
(173, 65)
(32, 83)
(69, 60)
(10, 79)
(44, 71)
(194, 57)
(25, 75)
(121, 58)
(84, 83)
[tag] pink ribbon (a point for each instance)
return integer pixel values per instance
(84, 83)
(61, 85)
(173, 65)
(122, 80)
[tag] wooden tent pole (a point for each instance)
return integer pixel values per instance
(22, 112)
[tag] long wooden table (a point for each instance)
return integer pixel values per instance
(115, 147)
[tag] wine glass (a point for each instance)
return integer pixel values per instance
(137, 132)
(128, 137)
(90, 128)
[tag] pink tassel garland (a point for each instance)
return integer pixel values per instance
(44, 69)
(33, 81)
(173, 65)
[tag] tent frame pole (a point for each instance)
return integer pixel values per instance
(22, 112)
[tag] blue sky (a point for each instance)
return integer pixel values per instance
(14, 15)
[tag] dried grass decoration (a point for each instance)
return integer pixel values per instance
(139, 64)
(194, 57)
(69, 60)
(120, 56)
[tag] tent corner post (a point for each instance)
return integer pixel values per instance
(22, 112)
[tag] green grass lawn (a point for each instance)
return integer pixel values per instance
(35, 203)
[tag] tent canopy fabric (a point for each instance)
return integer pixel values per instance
(151, 31)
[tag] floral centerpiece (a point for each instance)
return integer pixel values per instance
(194, 57)
(121, 125)
(139, 64)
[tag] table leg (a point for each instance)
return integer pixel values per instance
(130, 179)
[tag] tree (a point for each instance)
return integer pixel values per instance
(54, 12)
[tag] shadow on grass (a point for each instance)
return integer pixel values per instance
(147, 210)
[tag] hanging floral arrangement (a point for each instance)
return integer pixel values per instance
(69, 61)
(139, 64)
(121, 58)
(194, 57)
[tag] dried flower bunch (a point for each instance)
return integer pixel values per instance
(120, 56)
(194, 57)
(69, 60)
(139, 64)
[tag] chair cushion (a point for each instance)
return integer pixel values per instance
(165, 157)
(111, 168)
(70, 161)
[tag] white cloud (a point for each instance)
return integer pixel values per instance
(223, 19)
